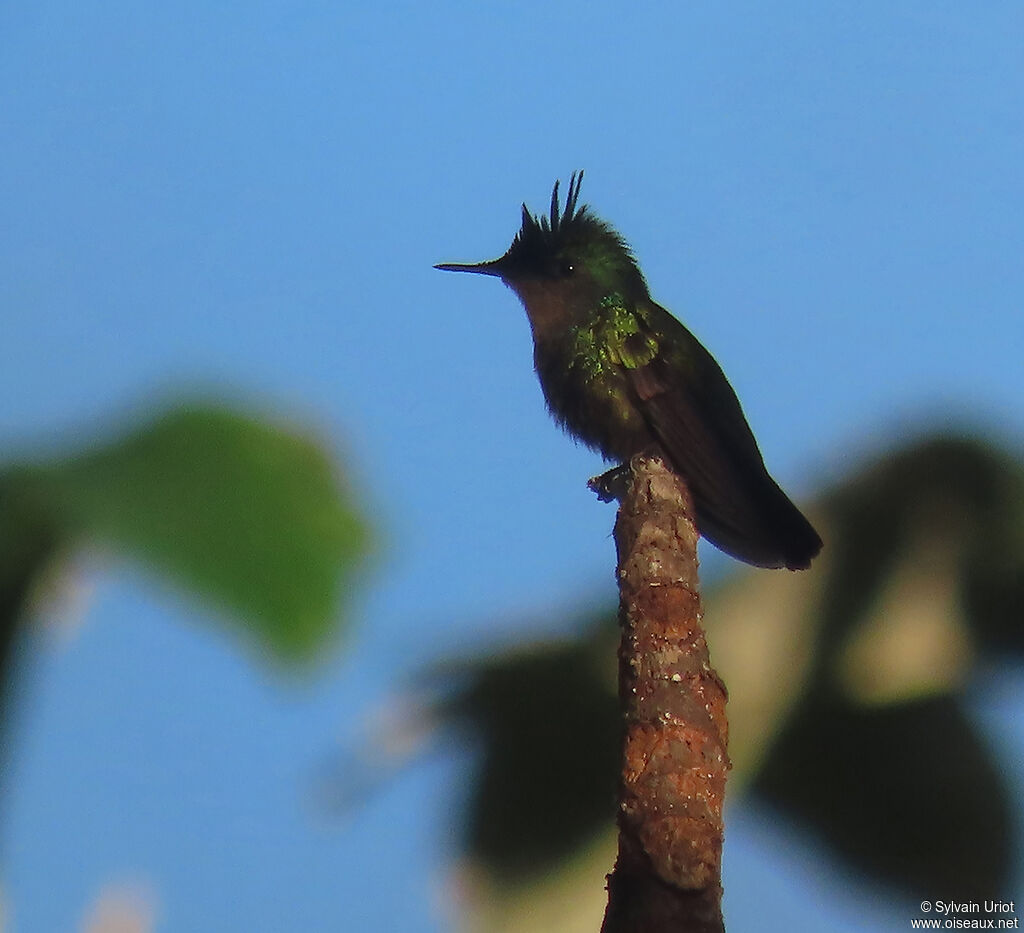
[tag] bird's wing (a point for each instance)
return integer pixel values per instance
(692, 410)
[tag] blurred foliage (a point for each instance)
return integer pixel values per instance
(890, 772)
(908, 793)
(245, 513)
(847, 696)
(951, 492)
(532, 748)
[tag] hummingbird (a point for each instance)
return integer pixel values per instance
(625, 377)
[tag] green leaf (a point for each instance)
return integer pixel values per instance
(246, 513)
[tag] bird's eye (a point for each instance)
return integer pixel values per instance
(567, 268)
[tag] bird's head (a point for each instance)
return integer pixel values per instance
(565, 261)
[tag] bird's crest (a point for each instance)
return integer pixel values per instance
(541, 236)
(571, 198)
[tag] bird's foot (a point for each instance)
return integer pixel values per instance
(611, 484)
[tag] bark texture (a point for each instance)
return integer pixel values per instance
(667, 877)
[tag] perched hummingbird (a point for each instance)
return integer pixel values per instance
(621, 374)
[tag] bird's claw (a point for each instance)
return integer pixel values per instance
(611, 484)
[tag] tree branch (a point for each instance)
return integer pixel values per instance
(667, 877)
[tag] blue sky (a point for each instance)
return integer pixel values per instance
(248, 199)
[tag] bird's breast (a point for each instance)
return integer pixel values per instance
(588, 392)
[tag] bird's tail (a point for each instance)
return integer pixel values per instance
(768, 531)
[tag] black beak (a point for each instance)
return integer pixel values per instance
(493, 267)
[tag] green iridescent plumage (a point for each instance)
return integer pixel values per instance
(615, 336)
(620, 373)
